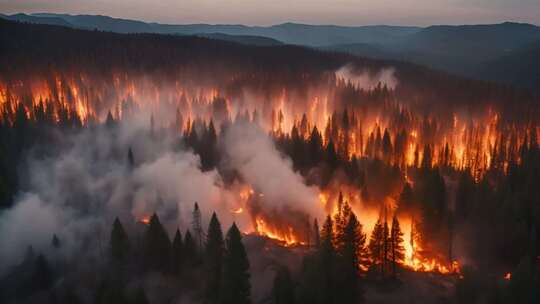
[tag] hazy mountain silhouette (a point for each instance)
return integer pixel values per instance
(521, 67)
(243, 39)
(465, 50)
(291, 33)
(480, 51)
(34, 19)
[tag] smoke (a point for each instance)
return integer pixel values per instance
(252, 153)
(78, 190)
(366, 79)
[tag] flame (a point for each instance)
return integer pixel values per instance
(508, 276)
(145, 220)
(462, 141)
(238, 210)
(287, 238)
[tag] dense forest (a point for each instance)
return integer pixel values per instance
(418, 173)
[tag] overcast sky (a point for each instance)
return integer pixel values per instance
(266, 12)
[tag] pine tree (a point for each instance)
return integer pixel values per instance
(326, 261)
(316, 234)
(157, 246)
(190, 249)
(130, 159)
(406, 198)
(215, 249)
(349, 261)
(397, 250)
(376, 244)
(109, 122)
(119, 242)
(386, 246)
(196, 225)
(235, 288)
(315, 147)
(283, 289)
(177, 253)
(55, 242)
(330, 155)
(340, 224)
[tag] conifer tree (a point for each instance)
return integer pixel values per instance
(283, 289)
(326, 261)
(315, 147)
(157, 246)
(177, 253)
(55, 242)
(331, 155)
(196, 225)
(316, 234)
(215, 249)
(397, 250)
(235, 286)
(349, 261)
(376, 244)
(190, 249)
(130, 159)
(120, 244)
(386, 246)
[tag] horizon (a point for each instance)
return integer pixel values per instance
(419, 13)
(270, 24)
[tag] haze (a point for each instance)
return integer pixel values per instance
(258, 12)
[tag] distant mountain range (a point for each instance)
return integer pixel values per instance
(506, 52)
(290, 33)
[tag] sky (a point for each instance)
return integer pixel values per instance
(264, 12)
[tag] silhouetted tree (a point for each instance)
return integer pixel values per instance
(235, 287)
(177, 253)
(55, 242)
(397, 250)
(283, 289)
(157, 246)
(190, 249)
(376, 244)
(196, 225)
(119, 242)
(215, 249)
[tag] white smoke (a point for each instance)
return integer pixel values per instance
(367, 80)
(253, 154)
(78, 192)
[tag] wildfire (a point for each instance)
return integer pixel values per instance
(462, 141)
(145, 220)
(238, 210)
(287, 238)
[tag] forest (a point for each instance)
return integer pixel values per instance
(153, 168)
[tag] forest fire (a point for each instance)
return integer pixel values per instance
(390, 131)
(137, 162)
(145, 220)
(476, 143)
(287, 238)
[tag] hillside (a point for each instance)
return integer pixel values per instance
(291, 33)
(521, 67)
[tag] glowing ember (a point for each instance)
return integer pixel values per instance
(145, 220)
(238, 210)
